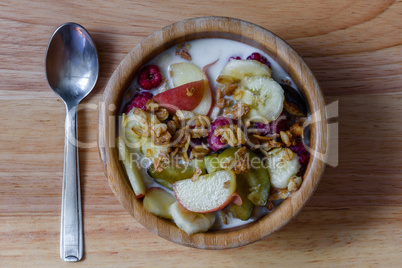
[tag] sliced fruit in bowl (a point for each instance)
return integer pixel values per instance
(283, 165)
(191, 222)
(158, 201)
(185, 72)
(256, 179)
(207, 193)
(133, 172)
(184, 97)
(235, 70)
(264, 95)
(171, 174)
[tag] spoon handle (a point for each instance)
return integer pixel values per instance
(71, 242)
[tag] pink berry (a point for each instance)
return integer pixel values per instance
(234, 58)
(150, 77)
(214, 142)
(300, 150)
(138, 101)
(258, 57)
(275, 126)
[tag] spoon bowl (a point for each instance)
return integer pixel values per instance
(72, 69)
(72, 65)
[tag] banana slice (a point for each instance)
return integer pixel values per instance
(235, 70)
(150, 150)
(264, 95)
(140, 140)
(280, 168)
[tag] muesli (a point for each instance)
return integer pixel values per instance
(212, 137)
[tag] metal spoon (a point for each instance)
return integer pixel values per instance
(72, 69)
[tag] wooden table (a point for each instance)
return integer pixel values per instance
(355, 216)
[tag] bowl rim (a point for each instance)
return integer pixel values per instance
(205, 27)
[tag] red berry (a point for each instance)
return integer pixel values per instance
(214, 142)
(234, 58)
(300, 150)
(275, 126)
(258, 57)
(138, 101)
(150, 77)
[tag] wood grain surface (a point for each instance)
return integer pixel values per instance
(354, 218)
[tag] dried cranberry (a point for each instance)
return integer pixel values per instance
(262, 129)
(234, 58)
(300, 150)
(138, 101)
(275, 126)
(214, 142)
(150, 77)
(258, 57)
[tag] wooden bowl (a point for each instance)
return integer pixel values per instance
(212, 27)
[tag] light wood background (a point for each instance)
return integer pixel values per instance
(355, 217)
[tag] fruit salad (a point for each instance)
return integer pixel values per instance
(213, 145)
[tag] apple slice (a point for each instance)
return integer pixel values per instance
(158, 201)
(133, 172)
(205, 105)
(184, 72)
(184, 97)
(208, 193)
(191, 222)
